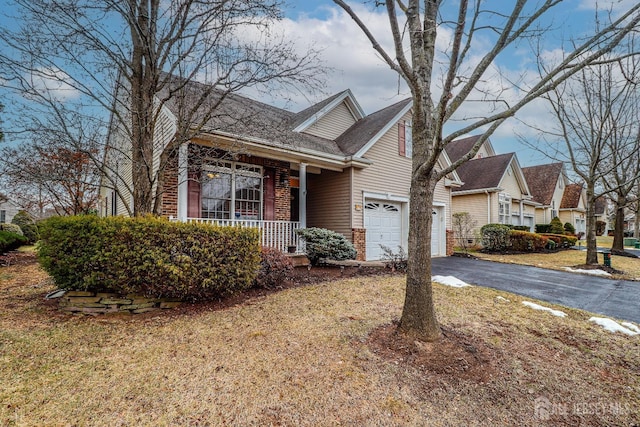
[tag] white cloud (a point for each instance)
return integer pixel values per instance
(53, 83)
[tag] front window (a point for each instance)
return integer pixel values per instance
(408, 139)
(504, 208)
(3, 216)
(232, 191)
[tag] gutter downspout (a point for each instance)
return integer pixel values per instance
(488, 206)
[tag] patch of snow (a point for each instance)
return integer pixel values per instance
(539, 307)
(502, 299)
(612, 326)
(631, 326)
(450, 281)
(595, 272)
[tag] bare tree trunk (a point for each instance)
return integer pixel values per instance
(592, 249)
(618, 232)
(418, 315)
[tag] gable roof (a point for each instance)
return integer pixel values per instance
(571, 196)
(484, 173)
(365, 132)
(542, 180)
(459, 147)
(312, 114)
(600, 205)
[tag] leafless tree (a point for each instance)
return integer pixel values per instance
(461, 75)
(123, 61)
(596, 113)
(463, 226)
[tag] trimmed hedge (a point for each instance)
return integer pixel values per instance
(148, 256)
(10, 241)
(562, 240)
(495, 237)
(543, 228)
(323, 243)
(524, 241)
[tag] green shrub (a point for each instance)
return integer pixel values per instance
(327, 244)
(520, 227)
(556, 226)
(562, 240)
(28, 226)
(495, 237)
(569, 228)
(542, 228)
(12, 228)
(149, 256)
(10, 241)
(524, 241)
(275, 268)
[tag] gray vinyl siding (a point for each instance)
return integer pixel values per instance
(333, 124)
(475, 205)
(390, 174)
(328, 202)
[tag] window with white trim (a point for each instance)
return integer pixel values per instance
(3, 216)
(231, 190)
(554, 212)
(504, 208)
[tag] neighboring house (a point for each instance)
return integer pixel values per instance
(601, 212)
(328, 166)
(8, 209)
(495, 189)
(547, 184)
(573, 207)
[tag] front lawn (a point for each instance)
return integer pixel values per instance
(567, 258)
(311, 355)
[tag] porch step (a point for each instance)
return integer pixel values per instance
(299, 260)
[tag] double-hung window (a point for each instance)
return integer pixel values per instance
(231, 190)
(504, 208)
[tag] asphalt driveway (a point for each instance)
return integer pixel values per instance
(614, 298)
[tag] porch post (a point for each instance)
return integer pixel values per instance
(183, 183)
(302, 203)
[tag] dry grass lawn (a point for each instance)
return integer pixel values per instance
(310, 356)
(568, 258)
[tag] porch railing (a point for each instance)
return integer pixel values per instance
(275, 234)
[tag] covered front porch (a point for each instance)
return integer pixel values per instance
(266, 190)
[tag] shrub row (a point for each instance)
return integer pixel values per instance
(10, 241)
(562, 240)
(148, 256)
(500, 237)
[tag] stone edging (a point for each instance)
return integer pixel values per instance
(102, 303)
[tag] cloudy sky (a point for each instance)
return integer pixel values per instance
(353, 64)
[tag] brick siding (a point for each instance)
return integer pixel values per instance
(359, 239)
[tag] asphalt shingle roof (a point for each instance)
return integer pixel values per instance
(542, 180)
(571, 196)
(247, 118)
(484, 173)
(361, 132)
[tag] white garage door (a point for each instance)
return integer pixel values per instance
(437, 233)
(383, 222)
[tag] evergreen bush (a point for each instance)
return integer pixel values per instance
(149, 256)
(10, 241)
(28, 226)
(326, 244)
(495, 237)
